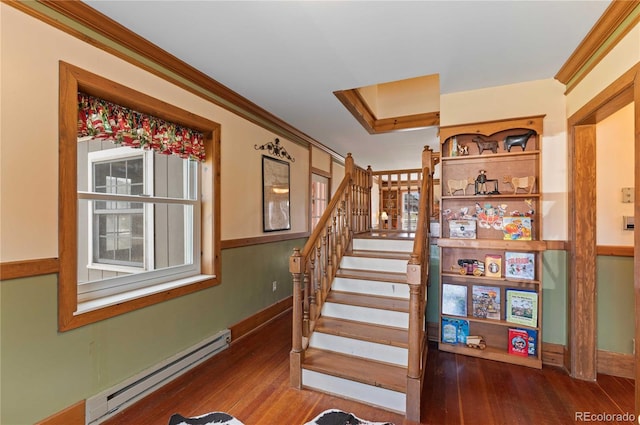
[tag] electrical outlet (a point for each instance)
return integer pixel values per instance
(274, 285)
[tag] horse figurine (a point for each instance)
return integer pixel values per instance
(483, 144)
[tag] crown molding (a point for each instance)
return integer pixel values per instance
(616, 21)
(85, 23)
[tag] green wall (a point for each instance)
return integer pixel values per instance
(44, 371)
(616, 297)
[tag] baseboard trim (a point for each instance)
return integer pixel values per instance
(258, 320)
(553, 354)
(433, 331)
(616, 364)
(72, 415)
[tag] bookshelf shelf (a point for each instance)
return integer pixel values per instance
(484, 276)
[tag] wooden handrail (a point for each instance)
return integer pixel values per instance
(314, 267)
(418, 279)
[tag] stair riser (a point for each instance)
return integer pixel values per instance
(371, 287)
(377, 264)
(383, 245)
(366, 315)
(386, 399)
(359, 348)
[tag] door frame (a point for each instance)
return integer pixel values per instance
(582, 344)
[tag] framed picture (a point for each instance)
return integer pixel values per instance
(275, 195)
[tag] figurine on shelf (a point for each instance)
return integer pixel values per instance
(481, 183)
(484, 144)
(463, 150)
(518, 140)
(525, 183)
(456, 185)
(476, 341)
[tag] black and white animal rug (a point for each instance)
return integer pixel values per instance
(328, 417)
(213, 418)
(338, 417)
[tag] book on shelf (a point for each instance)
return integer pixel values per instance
(485, 301)
(518, 342)
(532, 342)
(462, 229)
(516, 228)
(493, 265)
(521, 307)
(454, 299)
(455, 331)
(519, 265)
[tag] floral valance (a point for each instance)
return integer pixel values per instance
(100, 119)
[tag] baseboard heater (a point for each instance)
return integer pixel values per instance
(106, 404)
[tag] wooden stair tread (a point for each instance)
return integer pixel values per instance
(379, 276)
(356, 369)
(371, 301)
(391, 255)
(380, 334)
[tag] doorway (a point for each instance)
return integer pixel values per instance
(582, 345)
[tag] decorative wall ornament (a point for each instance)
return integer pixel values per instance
(276, 149)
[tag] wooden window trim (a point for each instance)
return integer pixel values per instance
(73, 79)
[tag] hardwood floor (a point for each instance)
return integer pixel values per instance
(250, 380)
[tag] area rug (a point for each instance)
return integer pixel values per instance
(328, 417)
(213, 418)
(338, 417)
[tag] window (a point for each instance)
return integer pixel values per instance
(117, 234)
(319, 197)
(410, 209)
(139, 200)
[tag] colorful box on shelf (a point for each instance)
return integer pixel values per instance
(516, 228)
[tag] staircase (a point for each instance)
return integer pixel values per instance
(358, 348)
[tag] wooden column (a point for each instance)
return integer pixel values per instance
(582, 280)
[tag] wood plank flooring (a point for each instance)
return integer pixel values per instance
(250, 380)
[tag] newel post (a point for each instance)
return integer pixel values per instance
(415, 321)
(414, 369)
(296, 355)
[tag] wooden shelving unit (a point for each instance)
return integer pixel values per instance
(462, 158)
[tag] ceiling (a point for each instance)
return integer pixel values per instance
(289, 57)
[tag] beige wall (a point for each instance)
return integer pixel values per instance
(541, 97)
(336, 176)
(31, 51)
(615, 169)
(320, 159)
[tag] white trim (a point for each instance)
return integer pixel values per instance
(111, 300)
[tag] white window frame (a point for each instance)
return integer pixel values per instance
(116, 154)
(100, 289)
